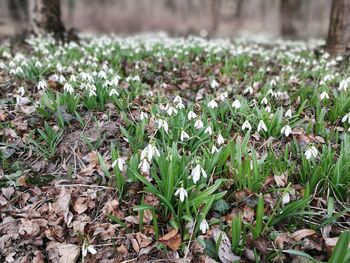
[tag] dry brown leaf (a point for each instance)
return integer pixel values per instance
(300, 234)
(62, 252)
(8, 192)
(172, 239)
(248, 213)
(331, 241)
(62, 205)
(80, 205)
(225, 254)
(261, 244)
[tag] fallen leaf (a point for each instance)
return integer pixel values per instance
(225, 254)
(300, 234)
(62, 206)
(80, 205)
(172, 239)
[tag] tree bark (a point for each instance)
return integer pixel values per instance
(339, 27)
(45, 17)
(288, 9)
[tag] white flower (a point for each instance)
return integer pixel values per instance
(248, 90)
(223, 96)
(286, 130)
(343, 85)
(21, 91)
(120, 162)
(212, 104)
(262, 126)
(171, 111)
(204, 226)
(311, 153)
(68, 88)
(113, 92)
(177, 99)
(236, 104)
(214, 84)
(149, 152)
(220, 140)
(346, 117)
(182, 192)
(191, 115)
(268, 109)
(288, 113)
(184, 136)
(42, 85)
(214, 149)
(144, 167)
(197, 172)
(324, 95)
(143, 116)
(208, 130)
(92, 93)
(89, 249)
(264, 101)
(163, 124)
(246, 125)
(285, 198)
(198, 124)
(180, 106)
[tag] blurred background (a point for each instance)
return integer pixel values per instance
(216, 18)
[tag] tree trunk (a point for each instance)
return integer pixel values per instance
(45, 17)
(339, 27)
(288, 9)
(215, 6)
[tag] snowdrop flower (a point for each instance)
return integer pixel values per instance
(149, 152)
(285, 198)
(163, 124)
(343, 85)
(262, 126)
(143, 116)
(311, 152)
(182, 193)
(236, 104)
(220, 140)
(264, 101)
(246, 125)
(248, 90)
(346, 117)
(268, 109)
(73, 78)
(184, 136)
(288, 113)
(214, 84)
(144, 167)
(212, 104)
(92, 93)
(113, 92)
(21, 91)
(198, 124)
(42, 85)
(171, 111)
(204, 226)
(270, 92)
(223, 96)
(20, 101)
(89, 249)
(286, 130)
(324, 95)
(178, 99)
(62, 79)
(208, 130)
(120, 162)
(68, 88)
(180, 106)
(191, 115)
(197, 172)
(19, 71)
(214, 149)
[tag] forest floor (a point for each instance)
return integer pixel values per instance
(158, 149)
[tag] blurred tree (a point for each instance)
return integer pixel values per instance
(71, 10)
(18, 10)
(215, 6)
(339, 27)
(288, 9)
(45, 17)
